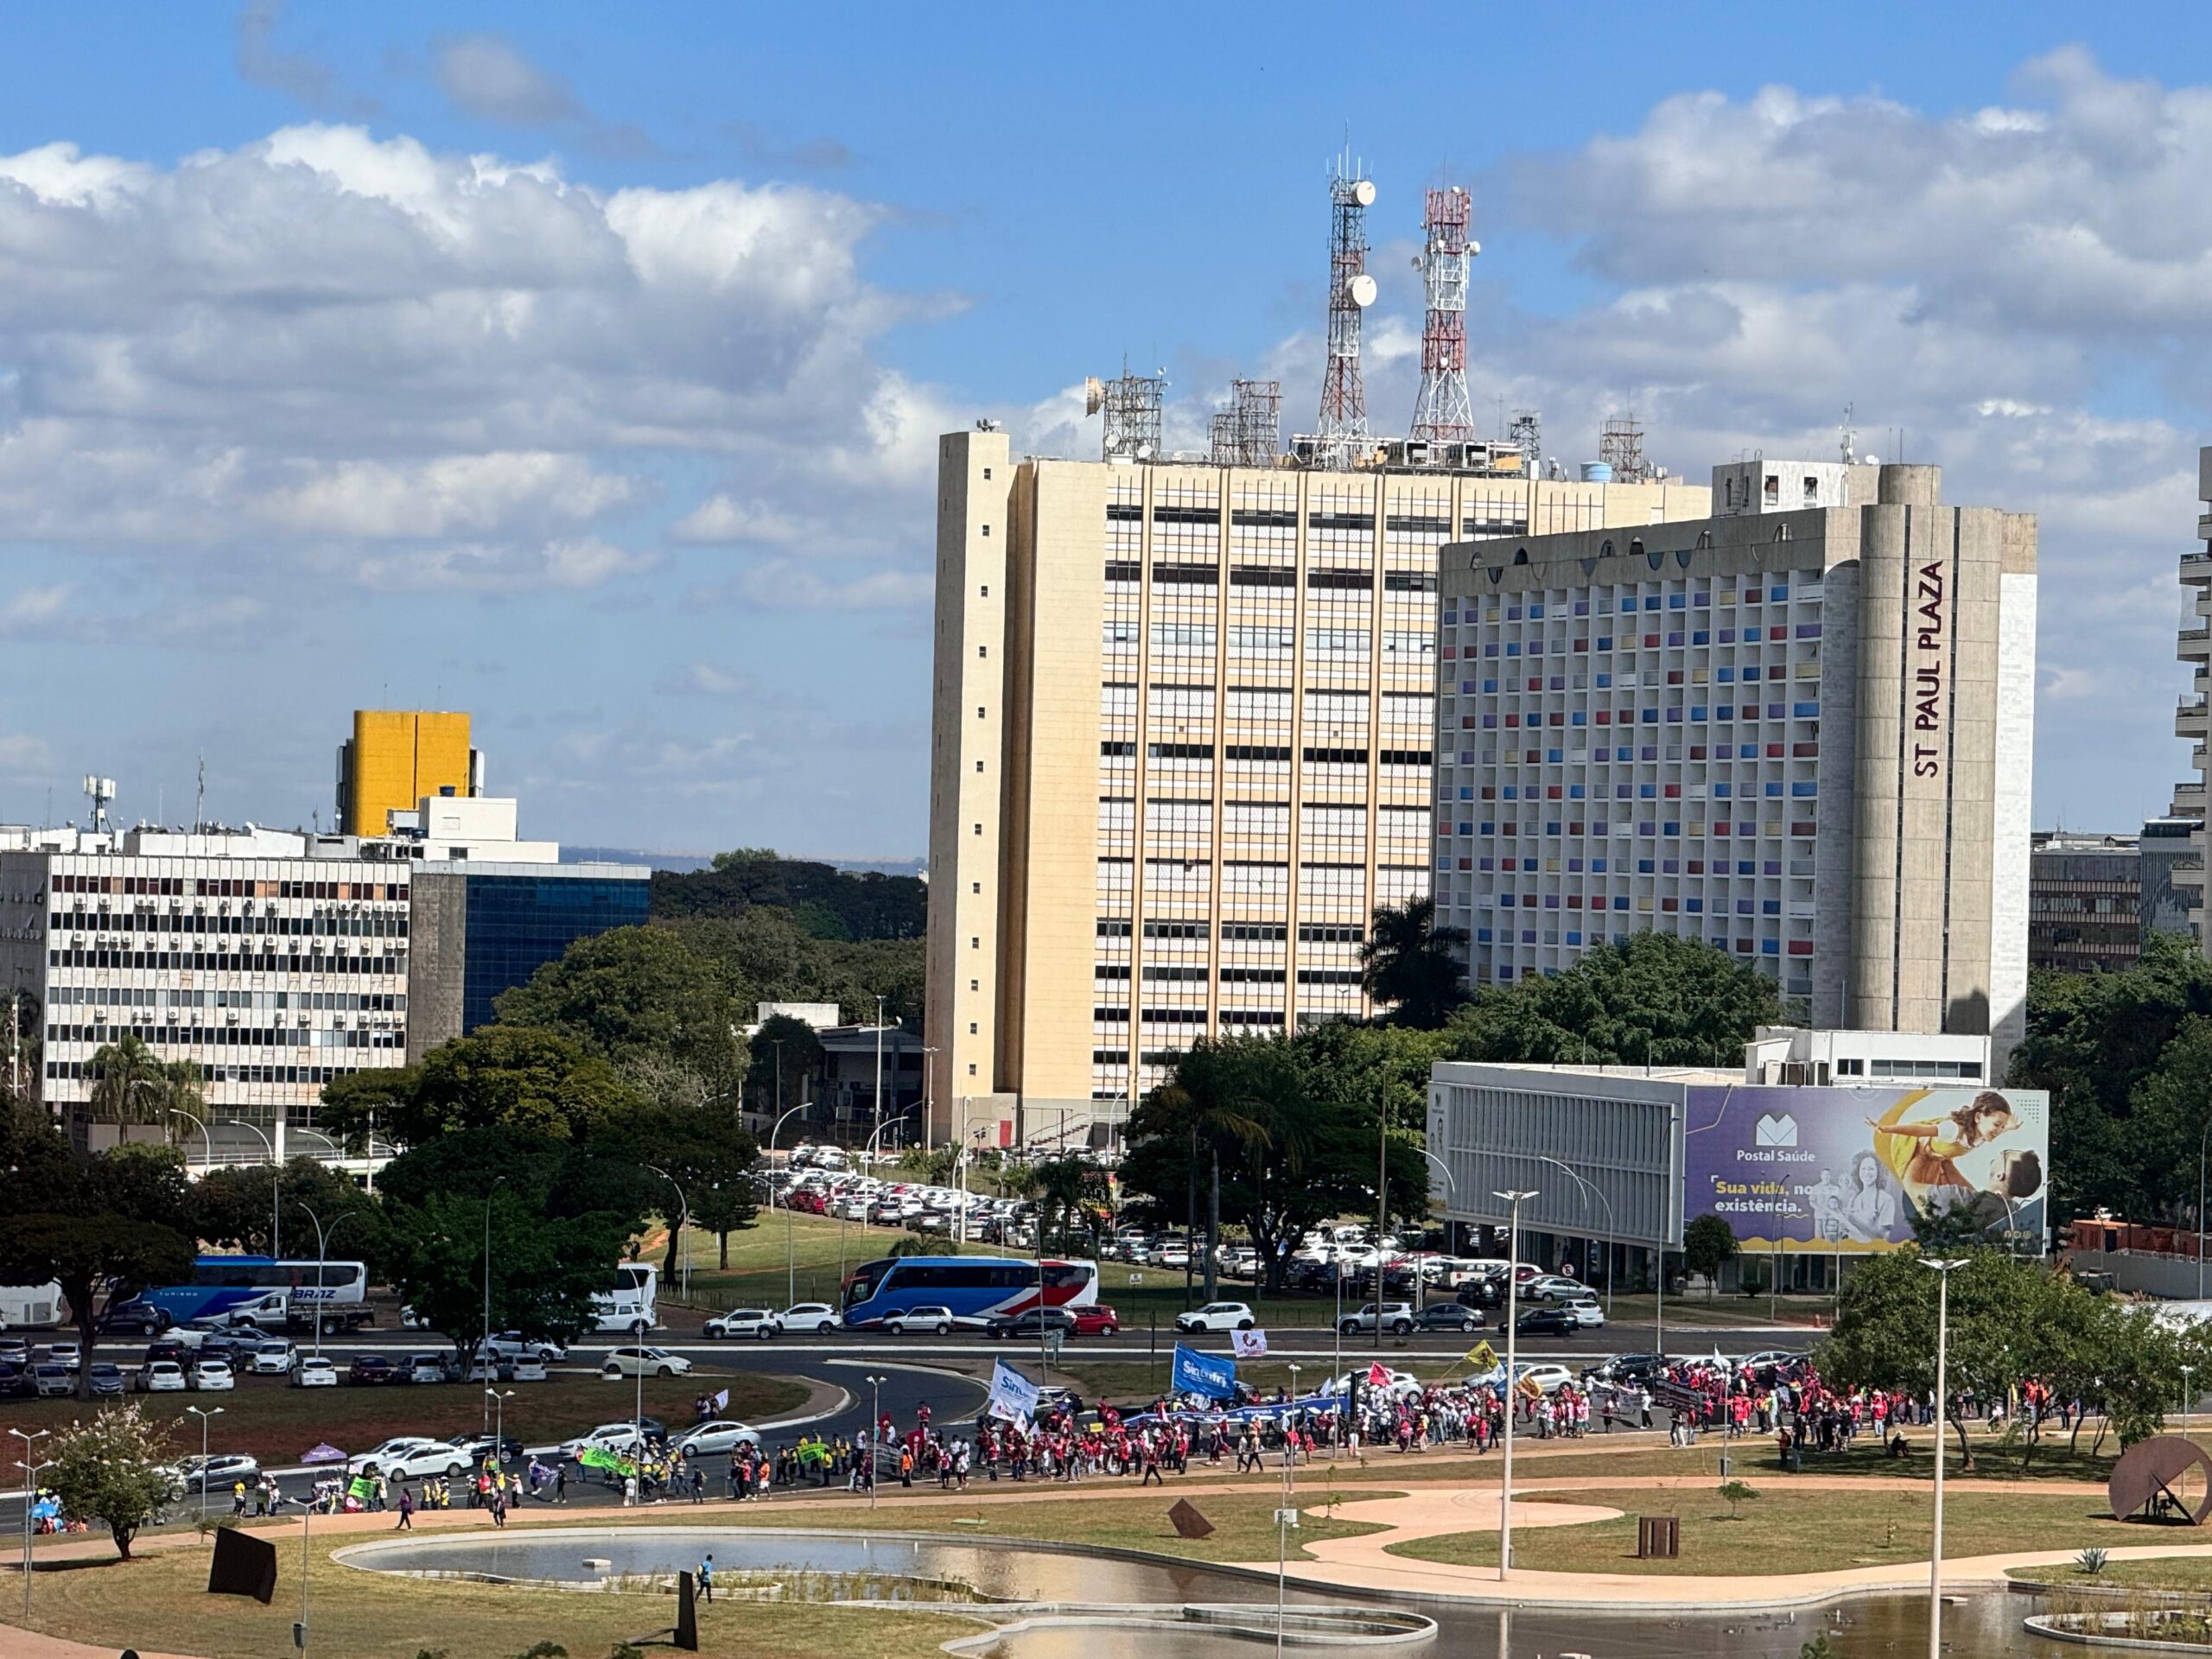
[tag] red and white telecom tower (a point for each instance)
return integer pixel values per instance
(1442, 412)
(1343, 397)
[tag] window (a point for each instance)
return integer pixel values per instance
(979, 829)
(982, 651)
(987, 590)
(971, 1027)
(987, 530)
(979, 765)
(987, 474)
(971, 1068)
(979, 714)
(975, 943)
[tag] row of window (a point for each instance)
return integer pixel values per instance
(1113, 749)
(229, 1036)
(142, 996)
(81, 1071)
(226, 962)
(1676, 640)
(380, 924)
(1647, 826)
(1774, 751)
(1312, 932)
(186, 887)
(1401, 524)
(1350, 578)
(1722, 792)
(1494, 608)
(1720, 942)
(1694, 866)
(1270, 640)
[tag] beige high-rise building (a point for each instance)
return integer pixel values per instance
(1181, 748)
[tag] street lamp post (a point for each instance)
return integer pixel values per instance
(215, 1411)
(1512, 1377)
(1588, 1191)
(484, 1338)
(306, 1517)
(1287, 1517)
(791, 1256)
(879, 1065)
(276, 1180)
(2187, 1398)
(1451, 1197)
(322, 1268)
(875, 1434)
(499, 1423)
(682, 1221)
(1943, 1269)
(2201, 1140)
(200, 1123)
(30, 1466)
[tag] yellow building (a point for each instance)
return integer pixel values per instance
(1184, 719)
(395, 758)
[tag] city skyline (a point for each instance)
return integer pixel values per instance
(544, 371)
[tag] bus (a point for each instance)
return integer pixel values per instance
(267, 1289)
(976, 1287)
(629, 1306)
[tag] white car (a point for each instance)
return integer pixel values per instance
(1546, 1377)
(608, 1437)
(314, 1373)
(212, 1377)
(818, 1317)
(710, 1439)
(274, 1358)
(512, 1345)
(63, 1353)
(1217, 1316)
(405, 1457)
(162, 1376)
(644, 1361)
(934, 1319)
(528, 1369)
(1587, 1309)
(759, 1322)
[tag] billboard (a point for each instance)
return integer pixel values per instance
(1828, 1168)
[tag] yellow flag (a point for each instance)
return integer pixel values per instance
(1483, 1357)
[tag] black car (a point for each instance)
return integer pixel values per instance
(134, 1319)
(1546, 1322)
(1448, 1315)
(1630, 1368)
(510, 1446)
(14, 1380)
(371, 1368)
(1008, 1326)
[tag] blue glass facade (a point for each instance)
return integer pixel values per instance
(518, 923)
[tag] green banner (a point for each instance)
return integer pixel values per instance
(598, 1457)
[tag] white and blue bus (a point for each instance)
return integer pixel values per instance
(222, 1285)
(976, 1287)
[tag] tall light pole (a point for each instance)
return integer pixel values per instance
(1287, 1517)
(1589, 1190)
(875, 1434)
(929, 1103)
(1667, 1191)
(683, 1220)
(499, 1423)
(484, 1338)
(2187, 1398)
(275, 1181)
(209, 1139)
(203, 1416)
(1451, 1197)
(321, 1267)
(791, 1250)
(879, 1066)
(1512, 1375)
(1382, 1208)
(306, 1516)
(1943, 1269)
(2200, 1207)
(30, 1466)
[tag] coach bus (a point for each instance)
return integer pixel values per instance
(221, 1286)
(976, 1287)
(632, 1306)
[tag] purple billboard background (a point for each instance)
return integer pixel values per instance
(1828, 1168)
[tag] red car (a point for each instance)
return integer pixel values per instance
(1097, 1320)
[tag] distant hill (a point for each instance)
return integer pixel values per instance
(828, 903)
(686, 863)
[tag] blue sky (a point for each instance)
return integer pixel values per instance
(582, 369)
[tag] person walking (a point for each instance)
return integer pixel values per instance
(499, 1506)
(707, 1578)
(406, 1510)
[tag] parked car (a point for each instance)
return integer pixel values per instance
(428, 1368)
(927, 1318)
(15, 1350)
(214, 1376)
(1553, 1287)
(1396, 1318)
(1217, 1316)
(134, 1318)
(163, 1376)
(644, 1361)
(1030, 1323)
(371, 1368)
(528, 1369)
(1545, 1322)
(273, 1357)
(818, 1317)
(1629, 1367)
(405, 1457)
(52, 1382)
(107, 1380)
(756, 1322)
(1449, 1315)
(315, 1372)
(69, 1354)
(510, 1344)
(708, 1440)
(14, 1380)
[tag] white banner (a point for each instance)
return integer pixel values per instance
(1013, 1396)
(1247, 1344)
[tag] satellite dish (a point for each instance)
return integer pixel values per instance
(1363, 193)
(1094, 394)
(1473, 247)
(1361, 290)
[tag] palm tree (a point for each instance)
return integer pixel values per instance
(1411, 963)
(128, 1082)
(1216, 1098)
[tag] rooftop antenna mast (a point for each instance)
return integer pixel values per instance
(1441, 411)
(1848, 439)
(1132, 405)
(1342, 432)
(199, 798)
(1620, 445)
(99, 792)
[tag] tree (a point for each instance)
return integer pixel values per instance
(1650, 999)
(1411, 964)
(705, 1149)
(785, 1051)
(513, 1077)
(231, 1208)
(829, 903)
(132, 1085)
(1736, 1491)
(544, 1269)
(357, 1104)
(1708, 1244)
(636, 991)
(113, 1469)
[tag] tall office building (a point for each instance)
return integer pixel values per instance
(2190, 718)
(398, 756)
(1180, 751)
(1800, 731)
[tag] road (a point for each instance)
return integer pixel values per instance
(913, 1369)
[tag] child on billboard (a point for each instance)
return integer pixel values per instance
(1926, 1156)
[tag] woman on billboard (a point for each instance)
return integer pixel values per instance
(1927, 1157)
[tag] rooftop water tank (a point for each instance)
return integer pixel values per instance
(1597, 472)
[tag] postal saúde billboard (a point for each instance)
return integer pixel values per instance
(1848, 1169)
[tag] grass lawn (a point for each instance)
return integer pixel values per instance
(277, 1422)
(1786, 1531)
(2156, 1572)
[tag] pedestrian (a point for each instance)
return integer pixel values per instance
(707, 1578)
(698, 1484)
(238, 1499)
(561, 1483)
(406, 1512)
(499, 1507)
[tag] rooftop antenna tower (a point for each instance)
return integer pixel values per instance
(1343, 431)
(1221, 437)
(1132, 404)
(1441, 411)
(1847, 439)
(99, 792)
(1255, 410)
(1527, 434)
(1620, 445)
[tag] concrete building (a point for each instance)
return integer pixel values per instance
(1806, 1151)
(277, 960)
(2085, 901)
(1804, 734)
(395, 758)
(2195, 648)
(1181, 752)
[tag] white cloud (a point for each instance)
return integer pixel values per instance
(721, 519)
(783, 584)
(28, 608)
(22, 755)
